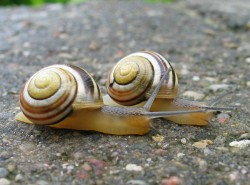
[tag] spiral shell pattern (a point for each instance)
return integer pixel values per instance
(134, 77)
(52, 93)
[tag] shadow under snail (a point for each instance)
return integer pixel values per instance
(141, 87)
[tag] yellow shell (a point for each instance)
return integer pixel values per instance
(53, 92)
(44, 85)
(134, 77)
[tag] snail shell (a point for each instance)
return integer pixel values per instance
(134, 77)
(60, 91)
(53, 92)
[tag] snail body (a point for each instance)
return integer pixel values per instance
(105, 120)
(63, 96)
(127, 86)
(177, 104)
(81, 107)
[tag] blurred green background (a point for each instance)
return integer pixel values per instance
(36, 2)
(41, 2)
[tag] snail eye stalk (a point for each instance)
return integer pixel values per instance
(150, 101)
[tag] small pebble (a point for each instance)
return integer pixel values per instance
(216, 87)
(136, 182)
(5, 155)
(230, 45)
(211, 79)
(171, 181)
(221, 148)
(234, 176)
(4, 181)
(240, 144)
(11, 167)
(248, 60)
(19, 178)
(248, 83)
(77, 155)
(26, 53)
(58, 154)
(210, 32)
(41, 182)
(196, 78)
(94, 46)
(27, 147)
(133, 167)
(165, 145)
(3, 172)
(202, 165)
(114, 154)
(244, 136)
(160, 151)
(70, 168)
(207, 151)
(194, 95)
(202, 144)
(86, 167)
(223, 118)
(183, 141)
(184, 70)
(180, 155)
(6, 142)
(96, 163)
(158, 138)
(65, 56)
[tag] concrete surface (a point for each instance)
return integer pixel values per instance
(208, 43)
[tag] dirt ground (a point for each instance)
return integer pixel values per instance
(208, 43)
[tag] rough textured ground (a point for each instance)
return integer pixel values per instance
(208, 43)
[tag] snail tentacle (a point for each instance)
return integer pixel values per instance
(171, 113)
(150, 101)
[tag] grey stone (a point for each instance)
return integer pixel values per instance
(4, 181)
(3, 172)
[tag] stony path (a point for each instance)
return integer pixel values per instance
(208, 43)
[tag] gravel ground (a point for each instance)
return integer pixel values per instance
(208, 43)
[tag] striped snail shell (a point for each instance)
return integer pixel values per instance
(53, 92)
(135, 76)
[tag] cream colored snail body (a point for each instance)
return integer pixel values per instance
(63, 96)
(134, 77)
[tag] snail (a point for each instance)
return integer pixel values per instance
(66, 96)
(135, 76)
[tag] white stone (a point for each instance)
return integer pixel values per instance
(196, 78)
(240, 144)
(180, 155)
(4, 181)
(248, 60)
(194, 95)
(133, 167)
(216, 87)
(211, 79)
(183, 141)
(18, 178)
